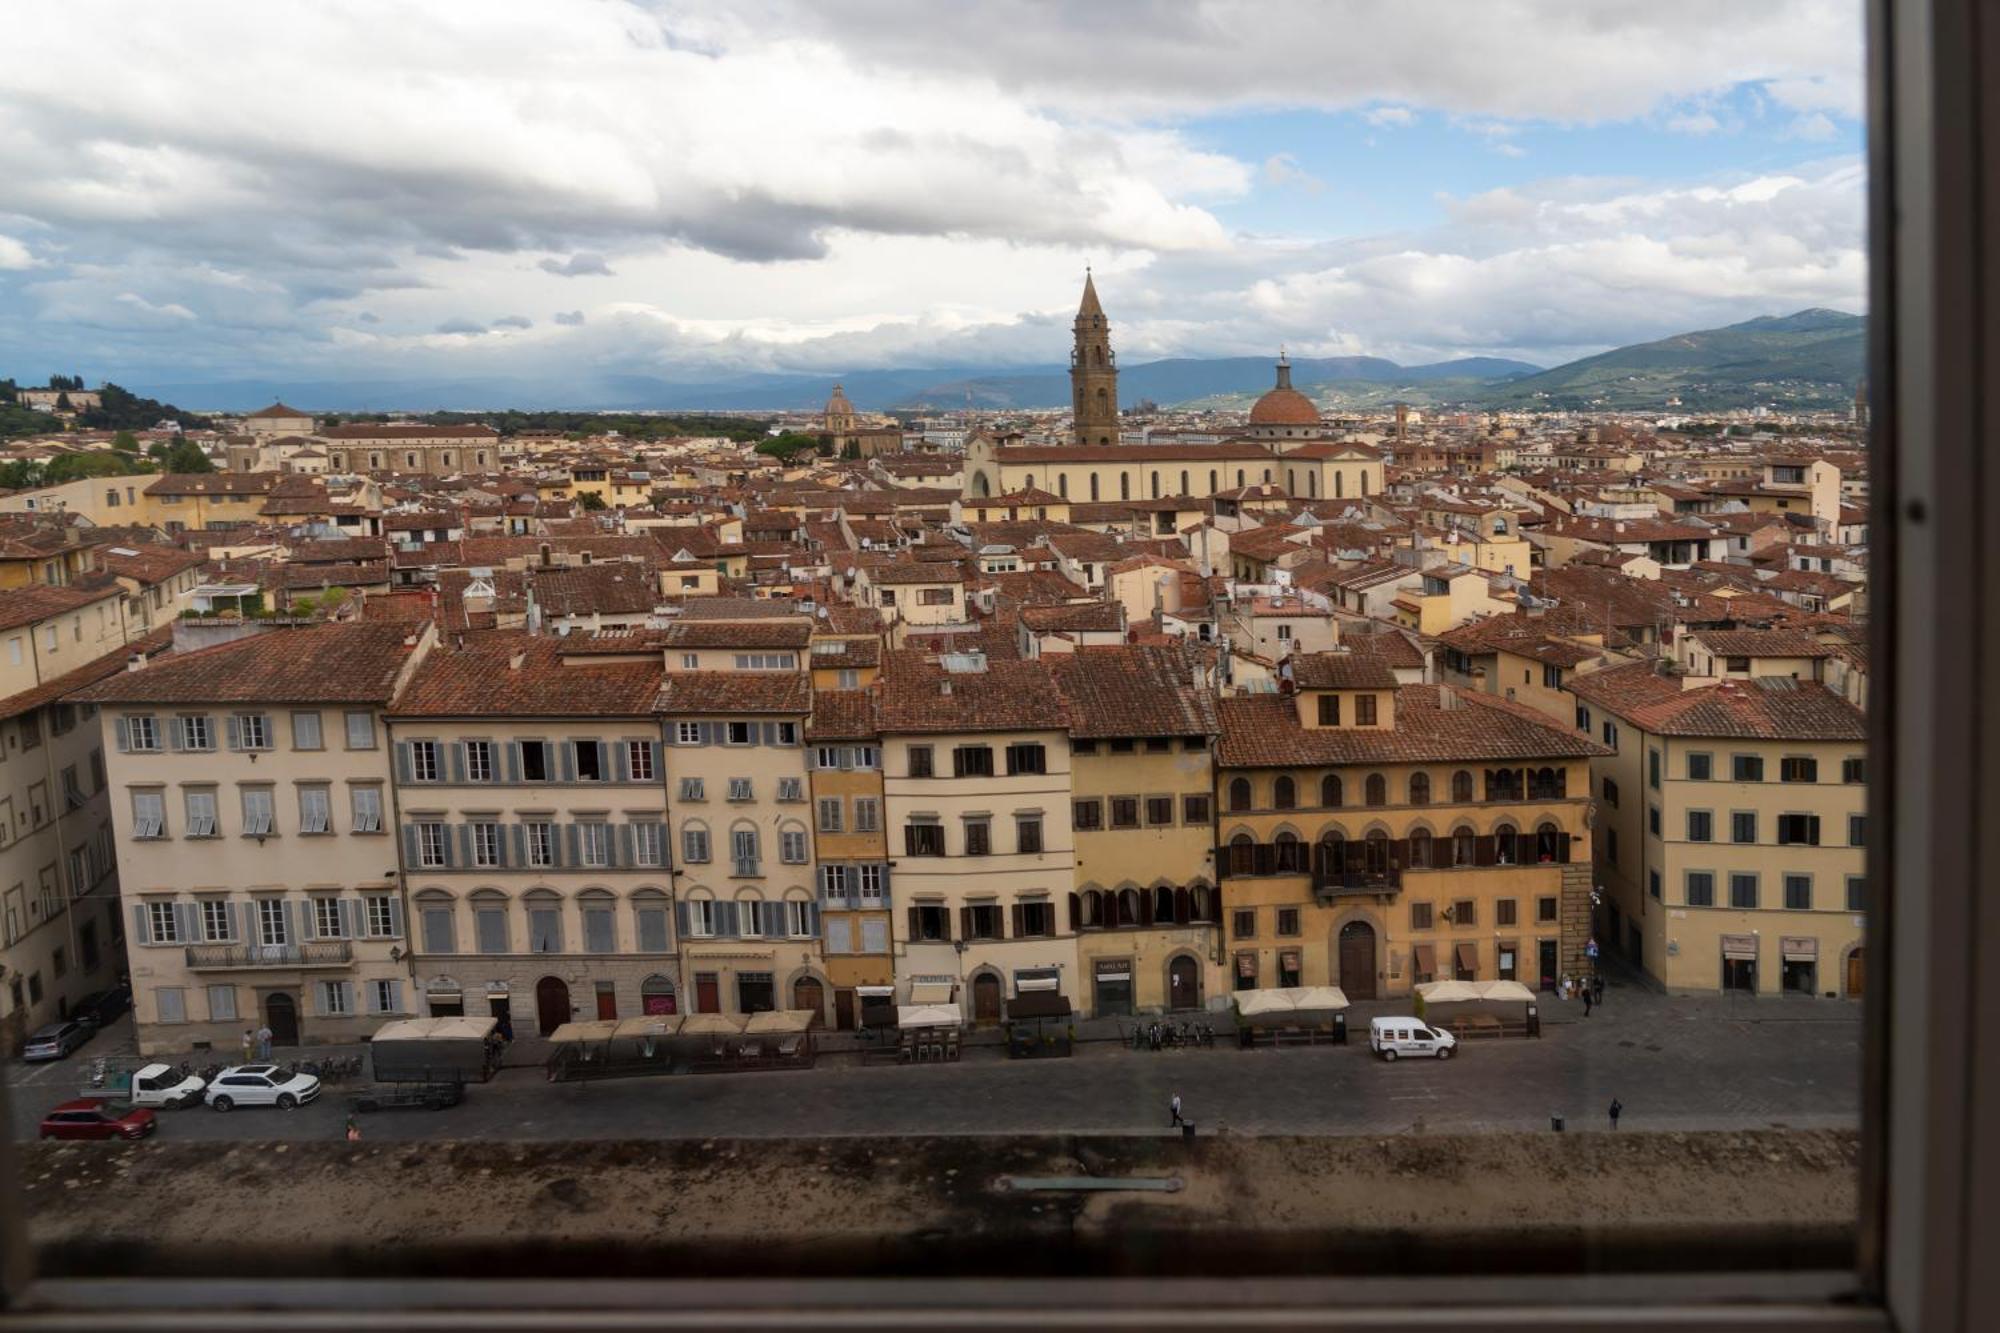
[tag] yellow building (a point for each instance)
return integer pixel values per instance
(1373, 836)
(1146, 909)
(1732, 829)
(851, 846)
(845, 661)
(182, 502)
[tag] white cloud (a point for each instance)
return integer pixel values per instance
(569, 318)
(1388, 117)
(1282, 169)
(513, 322)
(1510, 150)
(14, 255)
(1815, 127)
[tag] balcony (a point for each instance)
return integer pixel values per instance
(1342, 883)
(240, 957)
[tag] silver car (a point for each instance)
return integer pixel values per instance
(55, 1041)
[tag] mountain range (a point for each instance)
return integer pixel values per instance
(1809, 360)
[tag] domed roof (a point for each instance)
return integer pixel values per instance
(838, 404)
(1284, 407)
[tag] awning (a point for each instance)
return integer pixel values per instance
(1454, 992)
(1246, 965)
(1426, 960)
(929, 1016)
(649, 1025)
(1799, 948)
(711, 1025)
(596, 1029)
(1038, 1004)
(1740, 946)
(875, 992)
(1114, 971)
(416, 1029)
(930, 992)
(1026, 984)
(1468, 957)
(779, 1020)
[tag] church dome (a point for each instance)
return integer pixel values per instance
(1284, 405)
(838, 406)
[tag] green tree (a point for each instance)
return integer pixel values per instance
(186, 456)
(788, 445)
(590, 501)
(125, 442)
(74, 467)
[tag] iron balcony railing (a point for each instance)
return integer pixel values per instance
(321, 953)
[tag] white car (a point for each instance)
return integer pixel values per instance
(260, 1085)
(1391, 1038)
(164, 1085)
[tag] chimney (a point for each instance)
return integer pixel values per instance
(1447, 701)
(135, 662)
(944, 687)
(514, 662)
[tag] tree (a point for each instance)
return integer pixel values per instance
(74, 467)
(186, 456)
(62, 403)
(787, 445)
(591, 502)
(125, 442)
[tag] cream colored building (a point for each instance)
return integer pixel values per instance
(255, 836)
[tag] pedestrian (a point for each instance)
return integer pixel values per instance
(1174, 1109)
(249, 1045)
(1597, 989)
(264, 1043)
(353, 1130)
(506, 1025)
(1586, 1002)
(1617, 1107)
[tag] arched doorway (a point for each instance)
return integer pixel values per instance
(808, 993)
(1853, 977)
(1183, 983)
(551, 1004)
(281, 1015)
(656, 996)
(986, 998)
(1357, 960)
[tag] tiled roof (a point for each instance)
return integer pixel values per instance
(1434, 724)
(614, 588)
(735, 608)
(1131, 455)
(345, 663)
(1625, 689)
(789, 633)
(147, 564)
(918, 695)
(1762, 643)
(1341, 671)
(213, 483)
(25, 606)
(844, 715)
(1767, 708)
(382, 431)
(861, 650)
(730, 692)
(1078, 617)
(112, 663)
(503, 674)
(1133, 691)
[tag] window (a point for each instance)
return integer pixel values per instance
(736, 733)
(931, 922)
(306, 732)
(1195, 809)
(1288, 920)
(1853, 769)
(433, 844)
(1464, 913)
(1461, 787)
(972, 761)
(479, 761)
(1653, 769)
(872, 887)
(600, 930)
(867, 814)
(1329, 710)
(740, 789)
(149, 814)
(1700, 888)
(1547, 909)
(315, 810)
(1284, 633)
(485, 843)
(1653, 820)
(387, 996)
(1610, 846)
(1243, 923)
(590, 765)
(217, 923)
(1284, 793)
(1798, 893)
(367, 803)
(272, 929)
(195, 731)
(792, 846)
(694, 846)
(1027, 757)
(380, 916)
(1794, 768)
(1124, 812)
(142, 732)
(169, 1001)
(544, 929)
(1420, 916)
(222, 1004)
(744, 851)
(648, 844)
(535, 765)
(1364, 710)
(1028, 832)
(489, 928)
(692, 790)
(701, 918)
(253, 731)
(1087, 815)
(424, 763)
(687, 733)
(1610, 793)
(259, 812)
(652, 929)
(830, 814)
(921, 761)
(1700, 766)
(1036, 919)
(1746, 768)
(1857, 893)
(1700, 826)
(1653, 883)
(791, 789)
(1743, 826)
(360, 731)
(1376, 790)
(799, 920)
(978, 837)
(639, 760)
(982, 922)
(1743, 891)
(923, 838)
(1159, 810)
(1857, 830)
(1798, 830)
(1503, 912)
(1611, 733)
(328, 923)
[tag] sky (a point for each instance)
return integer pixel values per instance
(533, 191)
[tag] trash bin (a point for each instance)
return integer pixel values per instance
(1556, 1123)
(1340, 1028)
(1187, 1129)
(1534, 1020)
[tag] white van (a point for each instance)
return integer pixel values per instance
(1394, 1037)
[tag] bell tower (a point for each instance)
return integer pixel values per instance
(1093, 372)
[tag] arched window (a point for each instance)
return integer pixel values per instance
(1291, 854)
(1093, 487)
(1377, 847)
(1420, 849)
(1378, 789)
(1550, 845)
(1124, 485)
(1062, 485)
(1163, 904)
(1239, 478)
(1242, 854)
(1330, 794)
(1338, 492)
(1420, 789)
(1128, 907)
(1284, 793)
(1461, 786)
(1312, 485)
(1291, 481)
(1364, 481)
(1201, 902)
(1212, 487)
(656, 995)
(1504, 845)
(1093, 908)
(1332, 853)
(1462, 846)
(1239, 794)
(1184, 485)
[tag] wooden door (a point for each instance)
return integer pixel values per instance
(1854, 975)
(986, 998)
(808, 993)
(843, 1010)
(281, 1015)
(707, 993)
(551, 1004)
(1184, 983)
(1357, 960)
(607, 1005)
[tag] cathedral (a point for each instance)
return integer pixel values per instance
(1285, 444)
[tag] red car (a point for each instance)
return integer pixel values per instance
(96, 1118)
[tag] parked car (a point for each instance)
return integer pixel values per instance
(164, 1085)
(260, 1085)
(96, 1118)
(1391, 1038)
(102, 1008)
(57, 1040)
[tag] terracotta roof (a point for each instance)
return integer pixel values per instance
(25, 606)
(1263, 731)
(861, 650)
(844, 715)
(1767, 708)
(1132, 455)
(1006, 696)
(615, 588)
(1079, 617)
(712, 692)
(1762, 643)
(378, 430)
(345, 663)
(147, 564)
(1284, 406)
(918, 571)
(338, 551)
(1341, 671)
(275, 411)
(112, 663)
(1133, 691)
(213, 483)
(525, 676)
(790, 633)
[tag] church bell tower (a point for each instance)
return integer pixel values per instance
(1093, 373)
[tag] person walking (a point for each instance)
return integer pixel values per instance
(1617, 1107)
(249, 1046)
(1586, 1002)
(1597, 989)
(353, 1130)
(264, 1043)
(1174, 1109)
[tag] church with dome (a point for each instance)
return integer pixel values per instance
(844, 434)
(1285, 446)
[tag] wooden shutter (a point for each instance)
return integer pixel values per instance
(512, 750)
(659, 761)
(681, 919)
(308, 922)
(1017, 929)
(124, 734)
(916, 927)
(1482, 850)
(403, 769)
(965, 923)
(410, 845)
(1812, 829)
(624, 846)
(350, 917)
(726, 922)
(454, 758)
(570, 845)
(1075, 912)
(622, 754)
(142, 929)
(520, 841)
(566, 760)
(464, 845)
(235, 732)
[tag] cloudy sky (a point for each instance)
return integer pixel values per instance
(527, 189)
